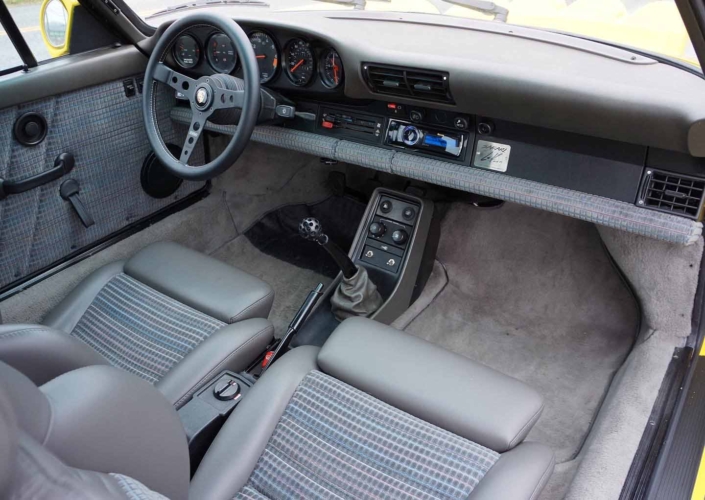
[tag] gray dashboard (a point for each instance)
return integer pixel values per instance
(517, 74)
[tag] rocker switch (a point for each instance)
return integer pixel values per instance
(69, 190)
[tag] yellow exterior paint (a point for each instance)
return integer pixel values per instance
(70, 5)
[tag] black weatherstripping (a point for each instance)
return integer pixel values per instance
(63, 164)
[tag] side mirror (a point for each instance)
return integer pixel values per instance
(56, 18)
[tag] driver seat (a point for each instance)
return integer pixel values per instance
(170, 315)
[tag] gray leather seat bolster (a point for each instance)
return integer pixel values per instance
(66, 315)
(230, 348)
(199, 281)
(431, 383)
(43, 353)
(519, 474)
(234, 454)
(30, 405)
(106, 420)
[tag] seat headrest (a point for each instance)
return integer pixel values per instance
(431, 383)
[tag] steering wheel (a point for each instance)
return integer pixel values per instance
(206, 95)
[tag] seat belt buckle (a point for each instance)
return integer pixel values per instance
(267, 358)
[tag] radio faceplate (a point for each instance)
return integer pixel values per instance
(424, 139)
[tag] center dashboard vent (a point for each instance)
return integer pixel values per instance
(672, 193)
(406, 82)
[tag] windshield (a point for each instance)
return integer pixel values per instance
(650, 25)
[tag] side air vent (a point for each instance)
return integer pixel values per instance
(406, 82)
(673, 193)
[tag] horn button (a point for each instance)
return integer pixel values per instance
(203, 96)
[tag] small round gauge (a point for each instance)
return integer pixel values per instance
(187, 52)
(331, 69)
(267, 55)
(299, 62)
(221, 53)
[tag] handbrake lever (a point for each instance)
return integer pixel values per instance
(295, 325)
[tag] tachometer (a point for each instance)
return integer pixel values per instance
(299, 62)
(187, 52)
(331, 69)
(221, 53)
(267, 55)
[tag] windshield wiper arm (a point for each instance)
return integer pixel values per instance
(500, 13)
(206, 3)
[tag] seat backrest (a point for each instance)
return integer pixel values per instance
(29, 470)
(86, 431)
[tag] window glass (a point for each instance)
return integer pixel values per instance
(26, 14)
(651, 25)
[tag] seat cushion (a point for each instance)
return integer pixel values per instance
(336, 441)
(303, 433)
(170, 315)
(141, 330)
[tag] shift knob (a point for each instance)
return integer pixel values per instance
(311, 229)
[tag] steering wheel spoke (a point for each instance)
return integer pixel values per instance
(198, 121)
(228, 99)
(206, 95)
(176, 80)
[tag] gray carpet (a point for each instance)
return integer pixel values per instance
(534, 295)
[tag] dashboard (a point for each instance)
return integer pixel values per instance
(528, 104)
(287, 60)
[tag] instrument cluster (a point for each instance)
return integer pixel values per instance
(306, 63)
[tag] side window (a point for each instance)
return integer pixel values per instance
(35, 31)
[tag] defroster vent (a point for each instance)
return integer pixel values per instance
(406, 82)
(672, 193)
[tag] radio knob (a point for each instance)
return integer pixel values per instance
(411, 135)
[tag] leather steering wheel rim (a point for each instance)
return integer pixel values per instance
(206, 95)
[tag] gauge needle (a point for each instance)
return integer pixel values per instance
(335, 73)
(296, 66)
(262, 56)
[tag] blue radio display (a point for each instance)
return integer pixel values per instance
(440, 141)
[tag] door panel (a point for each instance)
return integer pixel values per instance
(104, 131)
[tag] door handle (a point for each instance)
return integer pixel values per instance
(63, 164)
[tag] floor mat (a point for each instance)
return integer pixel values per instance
(534, 295)
(273, 251)
(277, 233)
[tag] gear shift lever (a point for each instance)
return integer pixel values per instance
(356, 294)
(311, 229)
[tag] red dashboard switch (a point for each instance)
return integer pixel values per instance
(391, 105)
(326, 124)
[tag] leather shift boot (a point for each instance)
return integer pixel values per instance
(356, 296)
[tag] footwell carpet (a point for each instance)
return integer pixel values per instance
(534, 295)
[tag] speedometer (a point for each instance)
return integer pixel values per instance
(221, 53)
(299, 62)
(186, 51)
(267, 55)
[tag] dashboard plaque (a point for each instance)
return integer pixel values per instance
(492, 156)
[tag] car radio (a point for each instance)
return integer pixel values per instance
(426, 140)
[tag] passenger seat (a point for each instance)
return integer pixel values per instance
(378, 413)
(170, 315)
